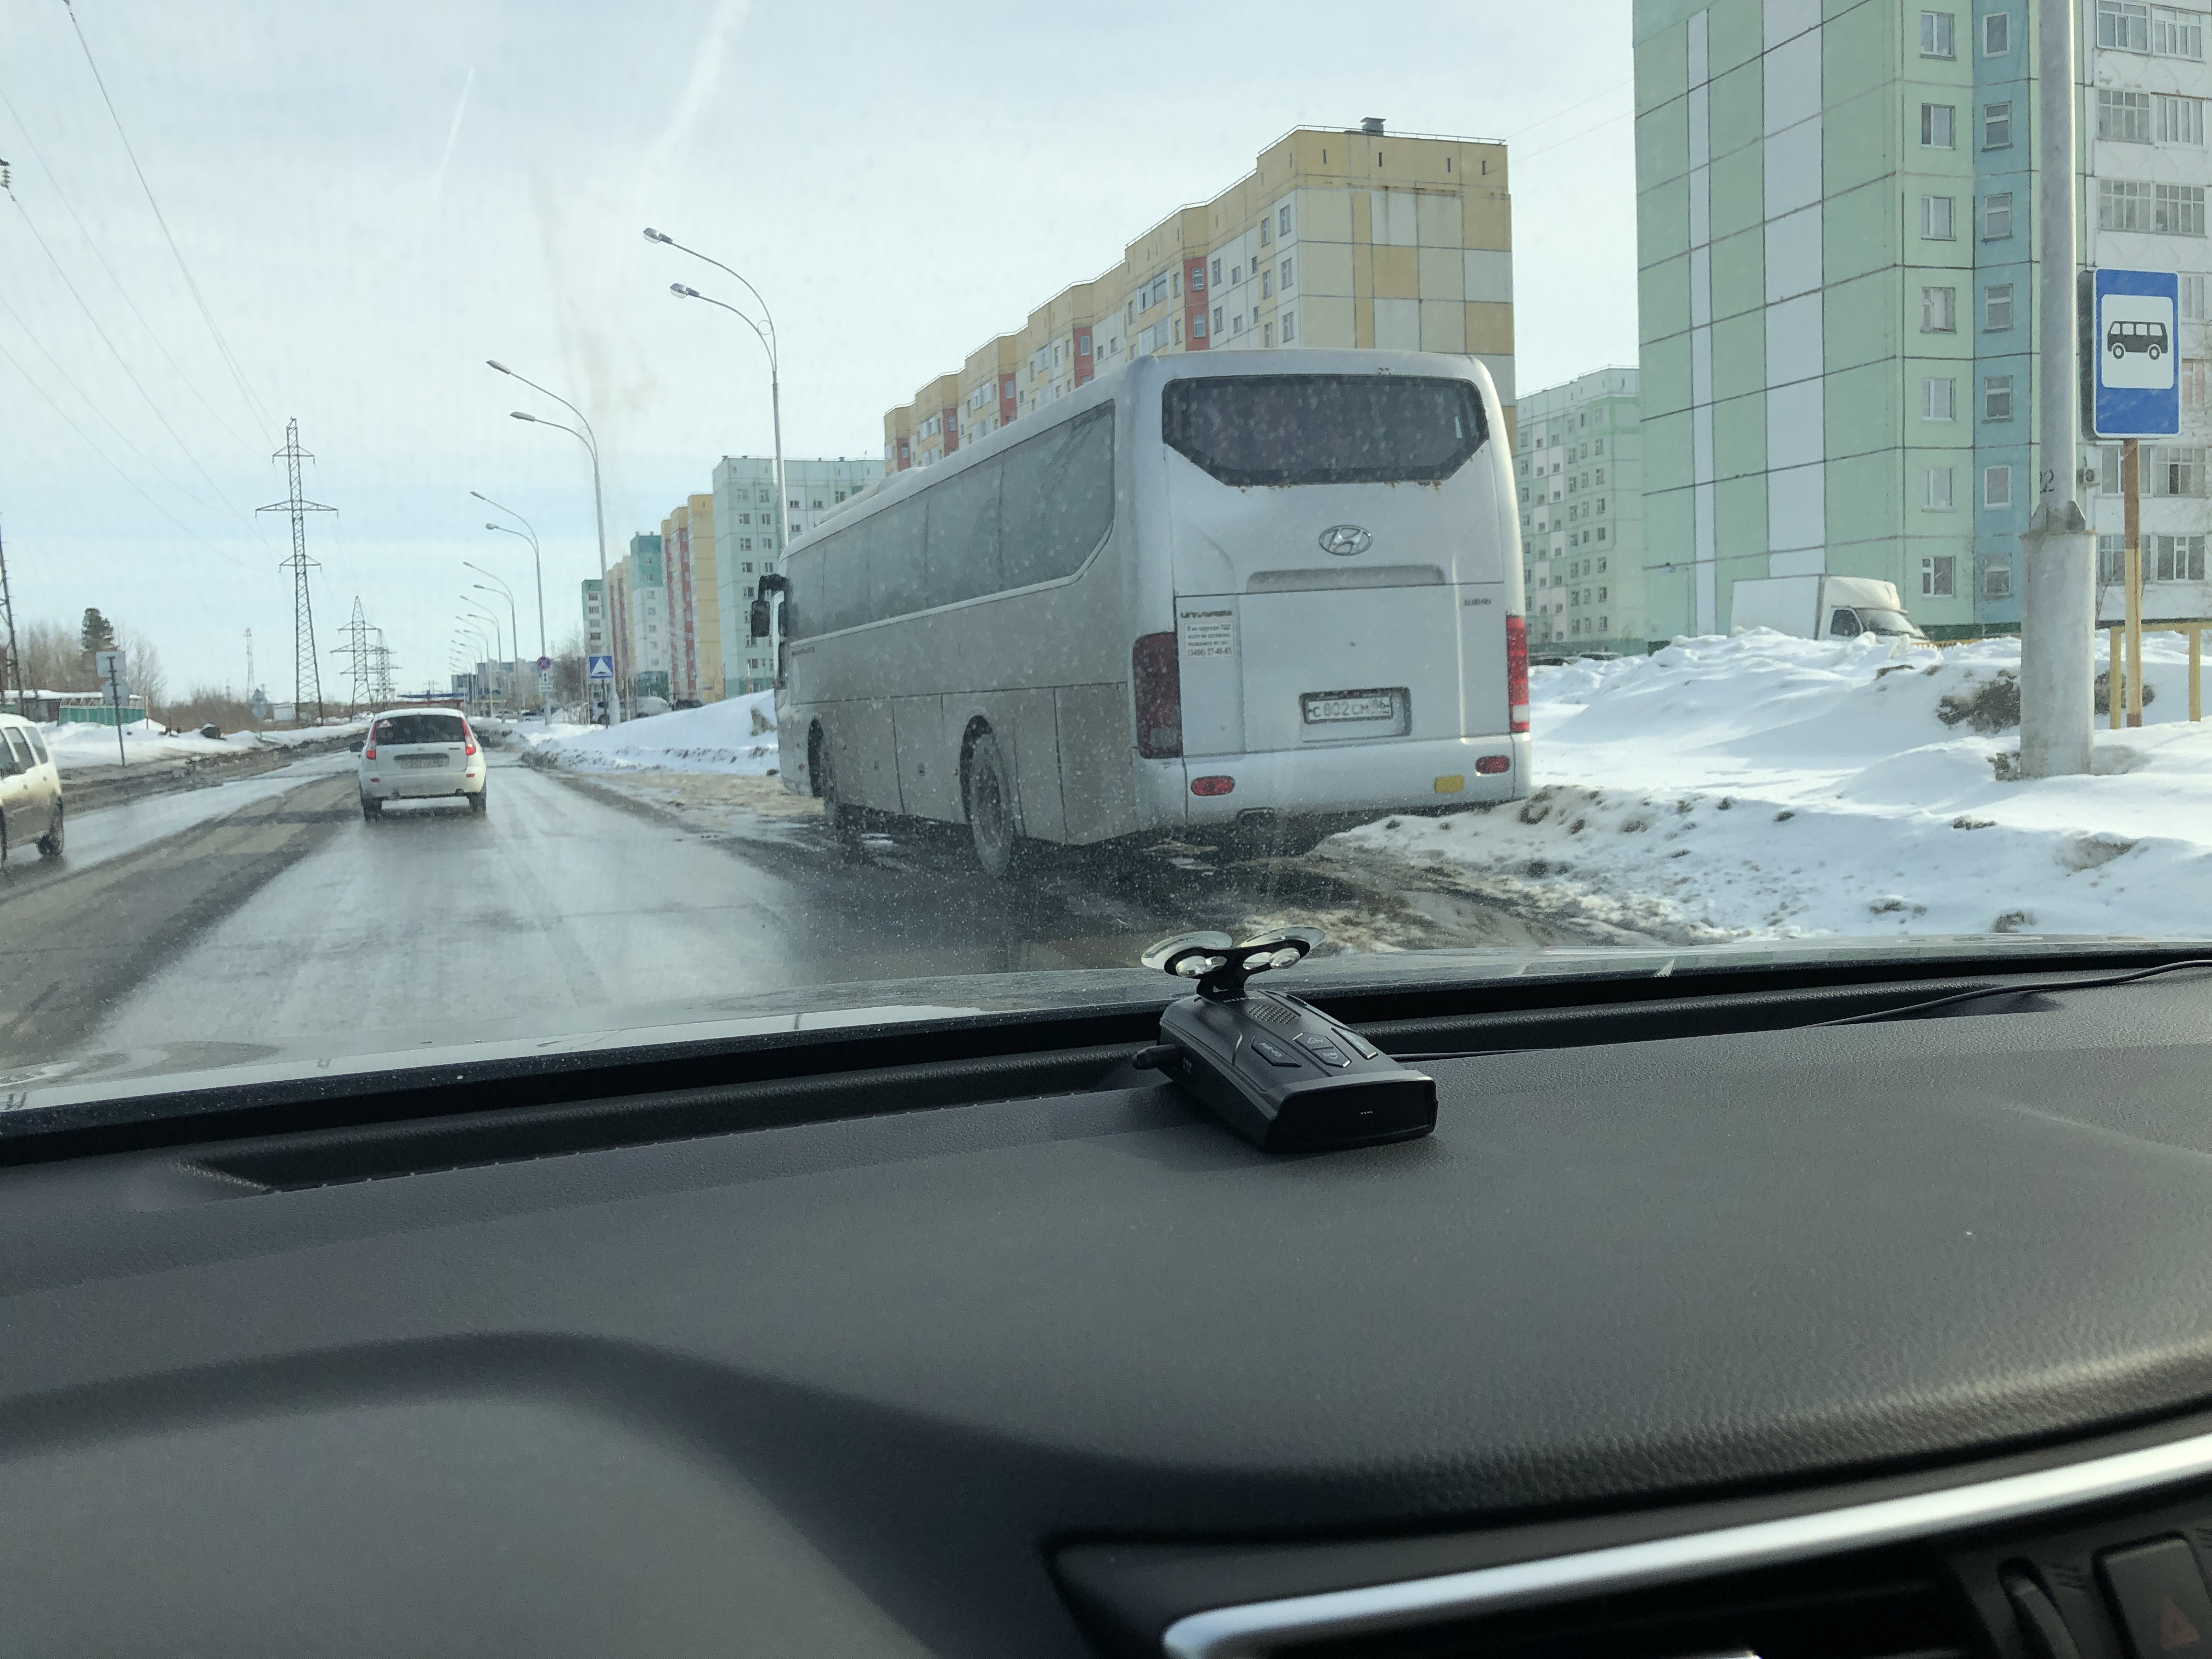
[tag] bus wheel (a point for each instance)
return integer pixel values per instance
(990, 795)
(843, 820)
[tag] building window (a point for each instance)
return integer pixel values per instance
(1936, 218)
(2179, 210)
(1997, 126)
(1264, 237)
(1996, 486)
(1936, 490)
(2112, 560)
(1939, 400)
(1997, 307)
(1283, 220)
(1939, 311)
(2181, 121)
(2177, 558)
(1267, 336)
(1936, 124)
(2193, 383)
(1236, 275)
(2123, 26)
(1217, 319)
(1935, 34)
(2176, 33)
(1198, 326)
(1236, 324)
(1996, 581)
(1267, 284)
(1217, 272)
(1996, 218)
(2123, 118)
(1935, 576)
(1996, 398)
(2122, 204)
(2174, 469)
(1289, 324)
(1286, 282)
(1997, 34)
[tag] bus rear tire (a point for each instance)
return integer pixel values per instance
(990, 796)
(843, 820)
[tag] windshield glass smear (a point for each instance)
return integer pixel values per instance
(640, 544)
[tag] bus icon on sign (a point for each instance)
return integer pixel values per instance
(2122, 337)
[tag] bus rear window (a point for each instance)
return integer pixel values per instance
(1323, 428)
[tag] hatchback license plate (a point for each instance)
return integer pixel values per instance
(1321, 706)
(421, 760)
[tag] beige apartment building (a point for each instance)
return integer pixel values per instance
(695, 642)
(1358, 238)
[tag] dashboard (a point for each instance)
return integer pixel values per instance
(1688, 1312)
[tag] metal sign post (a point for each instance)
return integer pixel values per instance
(2134, 391)
(108, 665)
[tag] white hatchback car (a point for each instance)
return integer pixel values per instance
(30, 790)
(420, 753)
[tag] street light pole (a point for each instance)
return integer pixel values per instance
(2059, 553)
(537, 559)
(599, 507)
(498, 639)
(768, 338)
(512, 621)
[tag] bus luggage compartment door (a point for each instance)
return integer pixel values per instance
(1348, 665)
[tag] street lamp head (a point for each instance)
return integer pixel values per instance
(678, 290)
(517, 414)
(653, 235)
(494, 362)
(490, 525)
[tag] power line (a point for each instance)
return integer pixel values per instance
(92, 241)
(214, 329)
(227, 558)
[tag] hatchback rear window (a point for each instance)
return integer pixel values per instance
(418, 728)
(1323, 428)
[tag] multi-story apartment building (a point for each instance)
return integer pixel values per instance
(1579, 473)
(596, 634)
(746, 541)
(638, 604)
(694, 625)
(1837, 273)
(1355, 238)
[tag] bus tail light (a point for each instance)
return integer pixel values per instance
(1156, 677)
(1491, 765)
(1516, 672)
(1212, 786)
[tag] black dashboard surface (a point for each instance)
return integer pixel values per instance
(842, 1386)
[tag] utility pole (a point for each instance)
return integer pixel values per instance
(307, 671)
(7, 608)
(2059, 553)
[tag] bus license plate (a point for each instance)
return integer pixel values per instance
(1321, 706)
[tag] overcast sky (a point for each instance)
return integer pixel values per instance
(371, 200)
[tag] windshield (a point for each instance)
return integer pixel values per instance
(903, 542)
(1323, 428)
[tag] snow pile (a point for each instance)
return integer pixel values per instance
(78, 746)
(735, 735)
(1759, 786)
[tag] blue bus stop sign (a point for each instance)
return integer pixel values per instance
(2134, 374)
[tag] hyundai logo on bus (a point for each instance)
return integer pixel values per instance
(2132, 319)
(1346, 539)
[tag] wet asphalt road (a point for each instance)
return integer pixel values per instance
(290, 925)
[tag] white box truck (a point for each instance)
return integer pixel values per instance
(1823, 607)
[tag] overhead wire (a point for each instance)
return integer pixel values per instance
(53, 181)
(228, 558)
(214, 329)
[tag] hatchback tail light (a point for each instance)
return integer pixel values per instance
(368, 754)
(468, 736)
(1516, 672)
(1156, 677)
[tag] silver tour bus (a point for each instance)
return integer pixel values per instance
(1244, 595)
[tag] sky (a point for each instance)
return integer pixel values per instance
(363, 203)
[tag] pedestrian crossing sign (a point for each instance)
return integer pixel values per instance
(600, 668)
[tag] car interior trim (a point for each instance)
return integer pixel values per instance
(1255, 1629)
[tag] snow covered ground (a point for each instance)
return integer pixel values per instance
(1764, 787)
(77, 747)
(737, 735)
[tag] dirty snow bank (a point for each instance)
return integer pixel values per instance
(77, 747)
(1759, 786)
(736, 735)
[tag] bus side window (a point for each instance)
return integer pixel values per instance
(1060, 499)
(964, 535)
(844, 584)
(802, 600)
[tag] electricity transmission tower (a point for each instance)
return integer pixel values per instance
(362, 670)
(8, 610)
(306, 672)
(382, 669)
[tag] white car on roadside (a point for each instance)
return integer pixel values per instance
(30, 790)
(421, 754)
